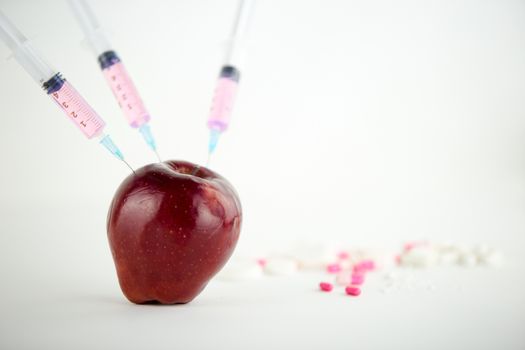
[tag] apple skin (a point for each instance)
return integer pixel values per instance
(171, 227)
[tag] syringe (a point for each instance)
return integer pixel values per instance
(115, 73)
(229, 76)
(60, 90)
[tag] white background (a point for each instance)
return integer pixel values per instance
(368, 122)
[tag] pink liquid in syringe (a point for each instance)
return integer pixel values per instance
(222, 104)
(78, 110)
(126, 94)
(224, 98)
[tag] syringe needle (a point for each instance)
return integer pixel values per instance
(129, 166)
(208, 160)
(157, 153)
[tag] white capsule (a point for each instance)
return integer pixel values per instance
(313, 255)
(343, 279)
(419, 257)
(449, 257)
(482, 249)
(240, 270)
(492, 258)
(382, 258)
(280, 266)
(468, 259)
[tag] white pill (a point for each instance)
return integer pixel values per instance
(419, 257)
(449, 257)
(481, 250)
(343, 279)
(280, 266)
(313, 255)
(240, 270)
(383, 259)
(468, 259)
(492, 258)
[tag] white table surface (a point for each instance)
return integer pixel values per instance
(59, 291)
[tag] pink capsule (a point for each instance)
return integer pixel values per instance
(326, 287)
(261, 262)
(353, 291)
(342, 255)
(364, 266)
(357, 279)
(358, 268)
(414, 244)
(397, 259)
(333, 268)
(409, 246)
(368, 265)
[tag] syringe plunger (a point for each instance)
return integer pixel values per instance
(88, 21)
(24, 53)
(60, 90)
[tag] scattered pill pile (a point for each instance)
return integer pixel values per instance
(349, 268)
(350, 273)
(425, 254)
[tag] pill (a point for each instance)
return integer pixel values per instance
(368, 265)
(423, 256)
(357, 279)
(343, 255)
(494, 259)
(468, 259)
(326, 287)
(333, 268)
(280, 266)
(261, 262)
(353, 291)
(240, 270)
(414, 244)
(364, 266)
(397, 259)
(312, 255)
(358, 269)
(343, 279)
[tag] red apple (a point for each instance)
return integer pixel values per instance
(171, 227)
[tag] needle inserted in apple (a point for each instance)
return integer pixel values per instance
(129, 166)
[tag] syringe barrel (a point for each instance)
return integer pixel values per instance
(24, 53)
(74, 106)
(224, 98)
(90, 26)
(124, 89)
